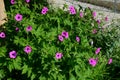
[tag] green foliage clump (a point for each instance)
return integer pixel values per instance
(41, 62)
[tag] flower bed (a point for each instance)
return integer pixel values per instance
(41, 43)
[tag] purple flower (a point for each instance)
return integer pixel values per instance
(81, 14)
(65, 34)
(18, 17)
(27, 49)
(72, 10)
(98, 21)
(92, 62)
(94, 14)
(110, 61)
(77, 39)
(17, 29)
(12, 1)
(97, 50)
(12, 54)
(29, 28)
(60, 38)
(106, 18)
(58, 55)
(94, 31)
(44, 10)
(27, 1)
(71, 7)
(2, 35)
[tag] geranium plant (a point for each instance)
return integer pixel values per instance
(40, 43)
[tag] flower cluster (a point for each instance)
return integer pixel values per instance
(17, 29)
(12, 54)
(27, 1)
(81, 14)
(18, 17)
(2, 35)
(58, 55)
(72, 10)
(27, 49)
(97, 50)
(63, 35)
(110, 61)
(29, 28)
(12, 2)
(93, 61)
(44, 10)
(94, 14)
(94, 31)
(77, 39)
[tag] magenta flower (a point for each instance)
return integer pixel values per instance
(98, 21)
(44, 10)
(71, 7)
(27, 1)
(110, 61)
(18, 17)
(2, 35)
(60, 38)
(29, 28)
(17, 29)
(72, 10)
(97, 50)
(92, 62)
(65, 34)
(81, 14)
(58, 55)
(77, 39)
(94, 31)
(27, 49)
(94, 14)
(12, 1)
(106, 18)
(12, 54)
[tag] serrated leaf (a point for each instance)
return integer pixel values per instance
(17, 65)
(3, 50)
(77, 70)
(33, 77)
(10, 67)
(29, 72)
(72, 77)
(2, 74)
(25, 69)
(42, 78)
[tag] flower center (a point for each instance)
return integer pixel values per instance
(28, 49)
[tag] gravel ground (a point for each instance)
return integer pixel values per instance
(100, 10)
(118, 1)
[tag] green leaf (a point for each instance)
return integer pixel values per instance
(72, 77)
(25, 69)
(77, 71)
(2, 74)
(60, 77)
(42, 78)
(17, 65)
(29, 72)
(33, 77)
(10, 67)
(3, 50)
